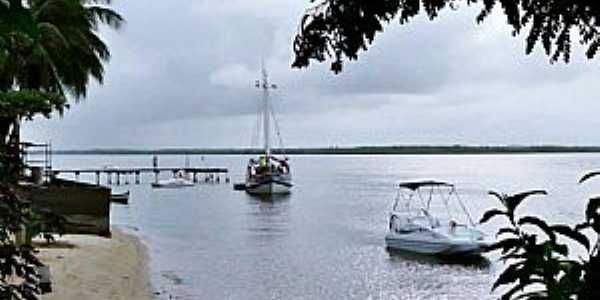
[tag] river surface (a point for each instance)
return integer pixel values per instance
(326, 240)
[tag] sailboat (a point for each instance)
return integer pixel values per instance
(267, 174)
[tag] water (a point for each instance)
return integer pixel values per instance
(325, 241)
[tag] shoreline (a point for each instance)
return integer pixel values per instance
(91, 267)
(357, 150)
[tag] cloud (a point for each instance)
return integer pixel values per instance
(183, 74)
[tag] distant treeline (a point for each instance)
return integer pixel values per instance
(347, 150)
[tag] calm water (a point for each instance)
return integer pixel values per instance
(325, 241)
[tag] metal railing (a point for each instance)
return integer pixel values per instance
(37, 161)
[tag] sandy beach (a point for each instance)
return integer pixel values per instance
(88, 267)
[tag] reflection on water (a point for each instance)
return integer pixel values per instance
(269, 216)
(474, 261)
(326, 239)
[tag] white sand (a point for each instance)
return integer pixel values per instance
(90, 268)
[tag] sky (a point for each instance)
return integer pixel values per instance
(182, 75)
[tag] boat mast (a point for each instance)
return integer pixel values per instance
(265, 87)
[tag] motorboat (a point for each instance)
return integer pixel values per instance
(268, 174)
(179, 181)
(414, 228)
(173, 183)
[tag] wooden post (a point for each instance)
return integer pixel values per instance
(76, 175)
(195, 178)
(156, 172)
(97, 177)
(137, 177)
(109, 178)
(118, 178)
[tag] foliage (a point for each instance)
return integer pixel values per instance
(47, 48)
(340, 29)
(17, 261)
(27, 104)
(51, 44)
(540, 266)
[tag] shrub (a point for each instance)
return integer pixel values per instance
(539, 266)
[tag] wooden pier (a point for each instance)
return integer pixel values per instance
(212, 174)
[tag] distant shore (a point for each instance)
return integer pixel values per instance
(366, 150)
(87, 267)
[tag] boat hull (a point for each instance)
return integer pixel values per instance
(269, 187)
(437, 247)
(172, 184)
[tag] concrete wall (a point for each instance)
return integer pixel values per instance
(86, 207)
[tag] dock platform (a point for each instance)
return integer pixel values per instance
(117, 173)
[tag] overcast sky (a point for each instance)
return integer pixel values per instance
(182, 75)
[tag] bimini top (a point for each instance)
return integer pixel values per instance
(415, 185)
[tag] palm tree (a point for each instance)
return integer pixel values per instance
(50, 46)
(53, 44)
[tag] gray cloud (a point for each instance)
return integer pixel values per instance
(182, 74)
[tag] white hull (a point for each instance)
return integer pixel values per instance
(268, 188)
(173, 183)
(416, 244)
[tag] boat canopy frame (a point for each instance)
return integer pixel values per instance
(408, 190)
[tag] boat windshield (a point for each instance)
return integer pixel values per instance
(418, 198)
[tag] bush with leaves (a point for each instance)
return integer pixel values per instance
(341, 29)
(18, 277)
(541, 267)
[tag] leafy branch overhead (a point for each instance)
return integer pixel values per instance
(539, 265)
(339, 29)
(27, 104)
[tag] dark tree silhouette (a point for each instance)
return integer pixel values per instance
(339, 29)
(539, 265)
(48, 49)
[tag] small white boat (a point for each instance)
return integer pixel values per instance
(177, 182)
(413, 228)
(268, 174)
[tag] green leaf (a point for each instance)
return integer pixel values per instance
(592, 215)
(560, 249)
(582, 226)
(507, 230)
(510, 275)
(538, 295)
(497, 195)
(572, 234)
(488, 215)
(540, 224)
(512, 202)
(588, 176)
(523, 283)
(507, 244)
